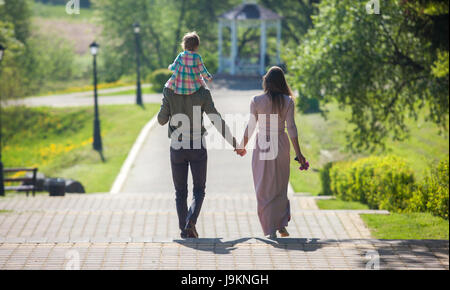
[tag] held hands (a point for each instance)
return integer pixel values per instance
(240, 152)
(240, 149)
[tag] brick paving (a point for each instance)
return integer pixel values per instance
(248, 254)
(135, 231)
(136, 216)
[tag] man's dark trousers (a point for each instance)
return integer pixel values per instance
(181, 160)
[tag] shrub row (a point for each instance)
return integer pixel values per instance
(159, 78)
(432, 194)
(388, 183)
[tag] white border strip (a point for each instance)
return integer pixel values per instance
(126, 167)
(291, 191)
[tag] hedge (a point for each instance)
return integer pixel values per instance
(325, 179)
(388, 183)
(432, 195)
(380, 182)
(159, 78)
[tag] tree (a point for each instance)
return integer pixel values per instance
(297, 17)
(163, 22)
(16, 66)
(384, 67)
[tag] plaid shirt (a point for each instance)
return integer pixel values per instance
(189, 74)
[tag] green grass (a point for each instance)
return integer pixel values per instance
(59, 141)
(407, 226)
(337, 204)
(323, 141)
(49, 11)
(147, 90)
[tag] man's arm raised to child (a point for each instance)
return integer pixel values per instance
(217, 120)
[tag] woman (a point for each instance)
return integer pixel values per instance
(271, 173)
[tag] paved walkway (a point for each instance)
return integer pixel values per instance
(227, 172)
(137, 228)
(85, 99)
(137, 231)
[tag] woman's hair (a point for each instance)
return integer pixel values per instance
(276, 87)
(191, 41)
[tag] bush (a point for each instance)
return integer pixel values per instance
(159, 78)
(309, 105)
(325, 179)
(380, 182)
(432, 195)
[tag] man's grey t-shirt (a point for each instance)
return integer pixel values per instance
(176, 108)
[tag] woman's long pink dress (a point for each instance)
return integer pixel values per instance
(271, 176)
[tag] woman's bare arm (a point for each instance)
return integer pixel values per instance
(298, 152)
(293, 133)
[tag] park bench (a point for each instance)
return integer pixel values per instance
(28, 183)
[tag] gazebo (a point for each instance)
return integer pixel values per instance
(250, 15)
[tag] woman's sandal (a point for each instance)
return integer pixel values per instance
(283, 233)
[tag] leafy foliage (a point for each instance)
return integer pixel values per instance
(83, 3)
(384, 67)
(163, 23)
(309, 105)
(389, 183)
(29, 62)
(380, 182)
(159, 78)
(297, 17)
(325, 179)
(432, 195)
(14, 31)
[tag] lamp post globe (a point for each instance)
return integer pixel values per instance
(94, 48)
(137, 31)
(97, 144)
(137, 27)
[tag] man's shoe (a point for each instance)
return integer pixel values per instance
(192, 232)
(183, 235)
(272, 236)
(195, 232)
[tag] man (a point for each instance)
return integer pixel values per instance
(186, 130)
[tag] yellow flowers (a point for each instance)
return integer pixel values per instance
(56, 149)
(89, 141)
(99, 86)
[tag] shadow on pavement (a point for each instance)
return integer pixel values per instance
(305, 245)
(217, 246)
(411, 254)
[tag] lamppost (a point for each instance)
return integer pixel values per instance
(97, 137)
(2, 186)
(137, 31)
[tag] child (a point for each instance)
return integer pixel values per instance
(189, 72)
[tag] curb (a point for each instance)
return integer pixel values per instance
(126, 167)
